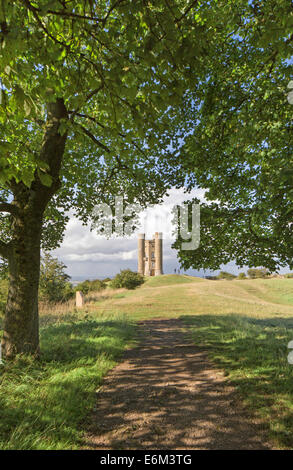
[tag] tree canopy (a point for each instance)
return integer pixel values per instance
(117, 67)
(105, 98)
(240, 145)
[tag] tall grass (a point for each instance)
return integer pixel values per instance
(43, 404)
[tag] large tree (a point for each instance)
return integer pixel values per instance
(240, 144)
(86, 90)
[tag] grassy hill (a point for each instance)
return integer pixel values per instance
(244, 326)
(175, 295)
(170, 279)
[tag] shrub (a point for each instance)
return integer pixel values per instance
(241, 276)
(90, 286)
(127, 279)
(256, 273)
(83, 286)
(289, 275)
(97, 285)
(54, 285)
(225, 275)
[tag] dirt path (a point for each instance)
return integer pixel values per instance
(166, 395)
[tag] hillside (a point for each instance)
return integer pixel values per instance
(174, 295)
(243, 326)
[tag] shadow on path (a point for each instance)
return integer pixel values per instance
(167, 395)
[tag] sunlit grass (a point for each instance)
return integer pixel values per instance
(245, 327)
(43, 404)
(253, 352)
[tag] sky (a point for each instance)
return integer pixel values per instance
(89, 255)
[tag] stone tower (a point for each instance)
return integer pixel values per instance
(150, 255)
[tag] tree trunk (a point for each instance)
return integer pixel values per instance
(21, 325)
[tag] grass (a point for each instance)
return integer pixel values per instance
(43, 404)
(244, 326)
(170, 279)
(253, 353)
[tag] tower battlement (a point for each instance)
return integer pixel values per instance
(150, 255)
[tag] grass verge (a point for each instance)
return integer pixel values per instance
(253, 353)
(42, 404)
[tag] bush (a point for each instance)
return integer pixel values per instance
(256, 273)
(90, 286)
(225, 275)
(127, 279)
(241, 276)
(54, 285)
(289, 275)
(97, 285)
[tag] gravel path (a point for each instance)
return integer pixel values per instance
(167, 395)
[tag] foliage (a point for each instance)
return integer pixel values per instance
(240, 142)
(127, 279)
(255, 273)
(289, 275)
(88, 94)
(241, 276)
(116, 69)
(90, 286)
(226, 275)
(54, 285)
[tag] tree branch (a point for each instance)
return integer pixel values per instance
(116, 4)
(93, 138)
(87, 98)
(187, 11)
(90, 118)
(7, 207)
(34, 11)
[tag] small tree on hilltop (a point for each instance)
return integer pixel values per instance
(225, 275)
(256, 273)
(241, 276)
(127, 279)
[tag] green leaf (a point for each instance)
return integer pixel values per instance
(46, 179)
